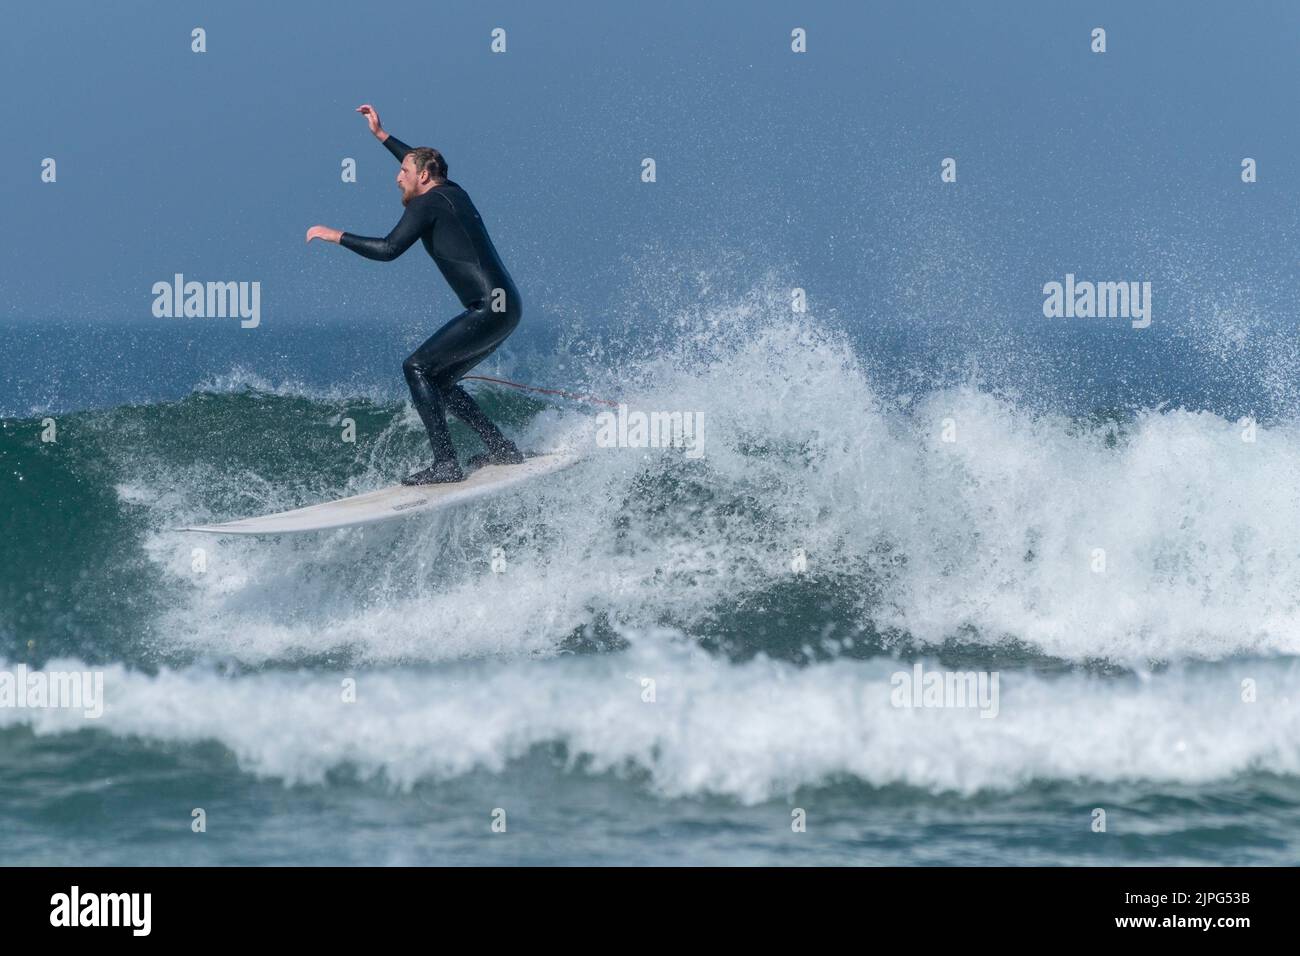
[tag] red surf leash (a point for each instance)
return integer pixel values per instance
(543, 391)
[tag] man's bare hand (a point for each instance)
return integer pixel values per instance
(372, 118)
(324, 232)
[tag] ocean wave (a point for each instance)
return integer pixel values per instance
(754, 731)
(948, 515)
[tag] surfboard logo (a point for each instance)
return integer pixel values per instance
(409, 503)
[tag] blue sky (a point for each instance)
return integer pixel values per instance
(822, 165)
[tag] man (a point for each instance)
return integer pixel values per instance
(440, 214)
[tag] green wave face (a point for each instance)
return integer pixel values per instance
(76, 513)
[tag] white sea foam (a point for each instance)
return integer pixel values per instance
(993, 536)
(751, 731)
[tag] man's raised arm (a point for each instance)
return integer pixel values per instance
(394, 145)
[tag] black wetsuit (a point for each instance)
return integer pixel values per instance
(445, 220)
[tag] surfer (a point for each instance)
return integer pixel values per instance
(440, 214)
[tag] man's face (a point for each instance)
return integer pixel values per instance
(407, 180)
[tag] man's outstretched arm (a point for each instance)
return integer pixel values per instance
(391, 246)
(402, 237)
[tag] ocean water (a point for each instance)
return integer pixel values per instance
(650, 673)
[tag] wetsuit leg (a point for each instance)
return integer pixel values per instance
(461, 404)
(432, 370)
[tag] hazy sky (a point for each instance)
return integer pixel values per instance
(824, 165)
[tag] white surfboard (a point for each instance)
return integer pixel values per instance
(395, 502)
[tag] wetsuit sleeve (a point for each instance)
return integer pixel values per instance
(396, 147)
(402, 237)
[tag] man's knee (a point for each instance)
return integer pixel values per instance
(505, 304)
(413, 367)
(447, 387)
